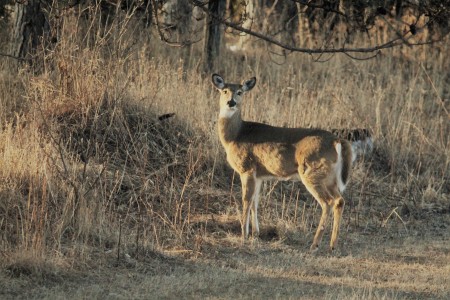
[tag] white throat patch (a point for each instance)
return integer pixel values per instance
(227, 112)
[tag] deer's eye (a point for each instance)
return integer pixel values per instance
(239, 93)
(225, 92)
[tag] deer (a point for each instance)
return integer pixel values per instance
(258, 152)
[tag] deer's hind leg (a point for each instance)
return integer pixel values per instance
(338, 209)
(323, 196)
(329, 199)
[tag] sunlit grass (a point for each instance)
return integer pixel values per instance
(86, 166)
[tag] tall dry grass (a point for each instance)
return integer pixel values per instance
(87, 166)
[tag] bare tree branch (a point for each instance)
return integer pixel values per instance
(395, 42)
(363, 58)
(323, 6)
(161, 34)
(14, 57)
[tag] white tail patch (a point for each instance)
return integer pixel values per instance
(339, 165)
(361, 139)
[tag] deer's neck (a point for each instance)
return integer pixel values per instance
(229, 128)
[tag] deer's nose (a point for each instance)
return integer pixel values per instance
(231, 103)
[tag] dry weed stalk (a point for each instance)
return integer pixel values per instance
(81, 146)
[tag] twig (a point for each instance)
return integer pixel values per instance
(120, 237)
(364, 58)
(327, 9)
(14, 57)
(161, 33)
(441, 102)
(394, 212)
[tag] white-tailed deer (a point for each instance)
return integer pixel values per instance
(258, 152)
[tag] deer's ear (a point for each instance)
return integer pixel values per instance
(249, 84)
(218, 81)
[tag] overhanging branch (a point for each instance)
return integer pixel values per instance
(13, 57)
(399, 40)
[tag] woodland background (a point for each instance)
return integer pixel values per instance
(113, 182)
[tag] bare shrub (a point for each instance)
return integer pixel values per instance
(86, 164)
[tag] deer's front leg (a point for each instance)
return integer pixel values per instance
(254, 208)
(248, 191)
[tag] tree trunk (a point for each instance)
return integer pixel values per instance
(28, 28)
(213, 34)
(183, 32)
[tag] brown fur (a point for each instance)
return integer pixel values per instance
(258, 151)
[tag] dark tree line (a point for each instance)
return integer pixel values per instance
(288, 24)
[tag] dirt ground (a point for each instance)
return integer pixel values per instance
(408, 260)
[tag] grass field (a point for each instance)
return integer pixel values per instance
(99, 198)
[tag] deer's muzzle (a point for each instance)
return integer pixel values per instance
(231, 103)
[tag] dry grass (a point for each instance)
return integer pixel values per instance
(100, 197)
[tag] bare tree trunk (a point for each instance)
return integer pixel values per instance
(183, 30)
(29, 25)
(213, 34)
